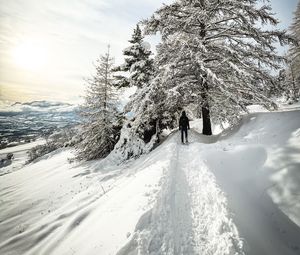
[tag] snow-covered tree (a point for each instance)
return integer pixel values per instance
(138, 63)
(138, 132)
(292, 73)
(152, 112)
(101, 120)
(216, 53)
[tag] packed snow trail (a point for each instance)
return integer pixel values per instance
(191, 215)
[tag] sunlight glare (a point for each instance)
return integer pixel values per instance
(30, 55)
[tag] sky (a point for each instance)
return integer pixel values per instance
(47, 48)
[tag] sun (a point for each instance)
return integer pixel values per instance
(30, 55)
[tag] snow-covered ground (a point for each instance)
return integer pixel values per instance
(20, 156)
(237, 192)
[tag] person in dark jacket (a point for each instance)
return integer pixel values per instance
(184, 125)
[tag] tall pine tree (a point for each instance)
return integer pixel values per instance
(101, 126)
(138, 63)
(215, 52)
(138, 133)
(292, 74)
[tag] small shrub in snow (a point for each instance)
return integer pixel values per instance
(58, 139)
(9, 156)
(41, 150)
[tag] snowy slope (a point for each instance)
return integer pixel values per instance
(234, 193)
(52, 207)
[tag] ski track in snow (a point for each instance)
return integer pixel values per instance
(191, 215)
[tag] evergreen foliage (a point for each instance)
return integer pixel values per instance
(151, 114)
(138, 133)
(138, 64)
(101, 119)
(291, 76)
(214, 52)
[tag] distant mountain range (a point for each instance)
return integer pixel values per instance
(42, 104)
(22, 122)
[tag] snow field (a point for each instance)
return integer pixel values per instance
(232, 193)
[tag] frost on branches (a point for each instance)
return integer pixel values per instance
(152, 112)
(137, 64)
(140, 133)
(217, 54)
(101, 120)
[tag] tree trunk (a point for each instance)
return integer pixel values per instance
(205, 108)
(206, 120)
(293, 93)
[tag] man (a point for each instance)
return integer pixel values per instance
(184, 126)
